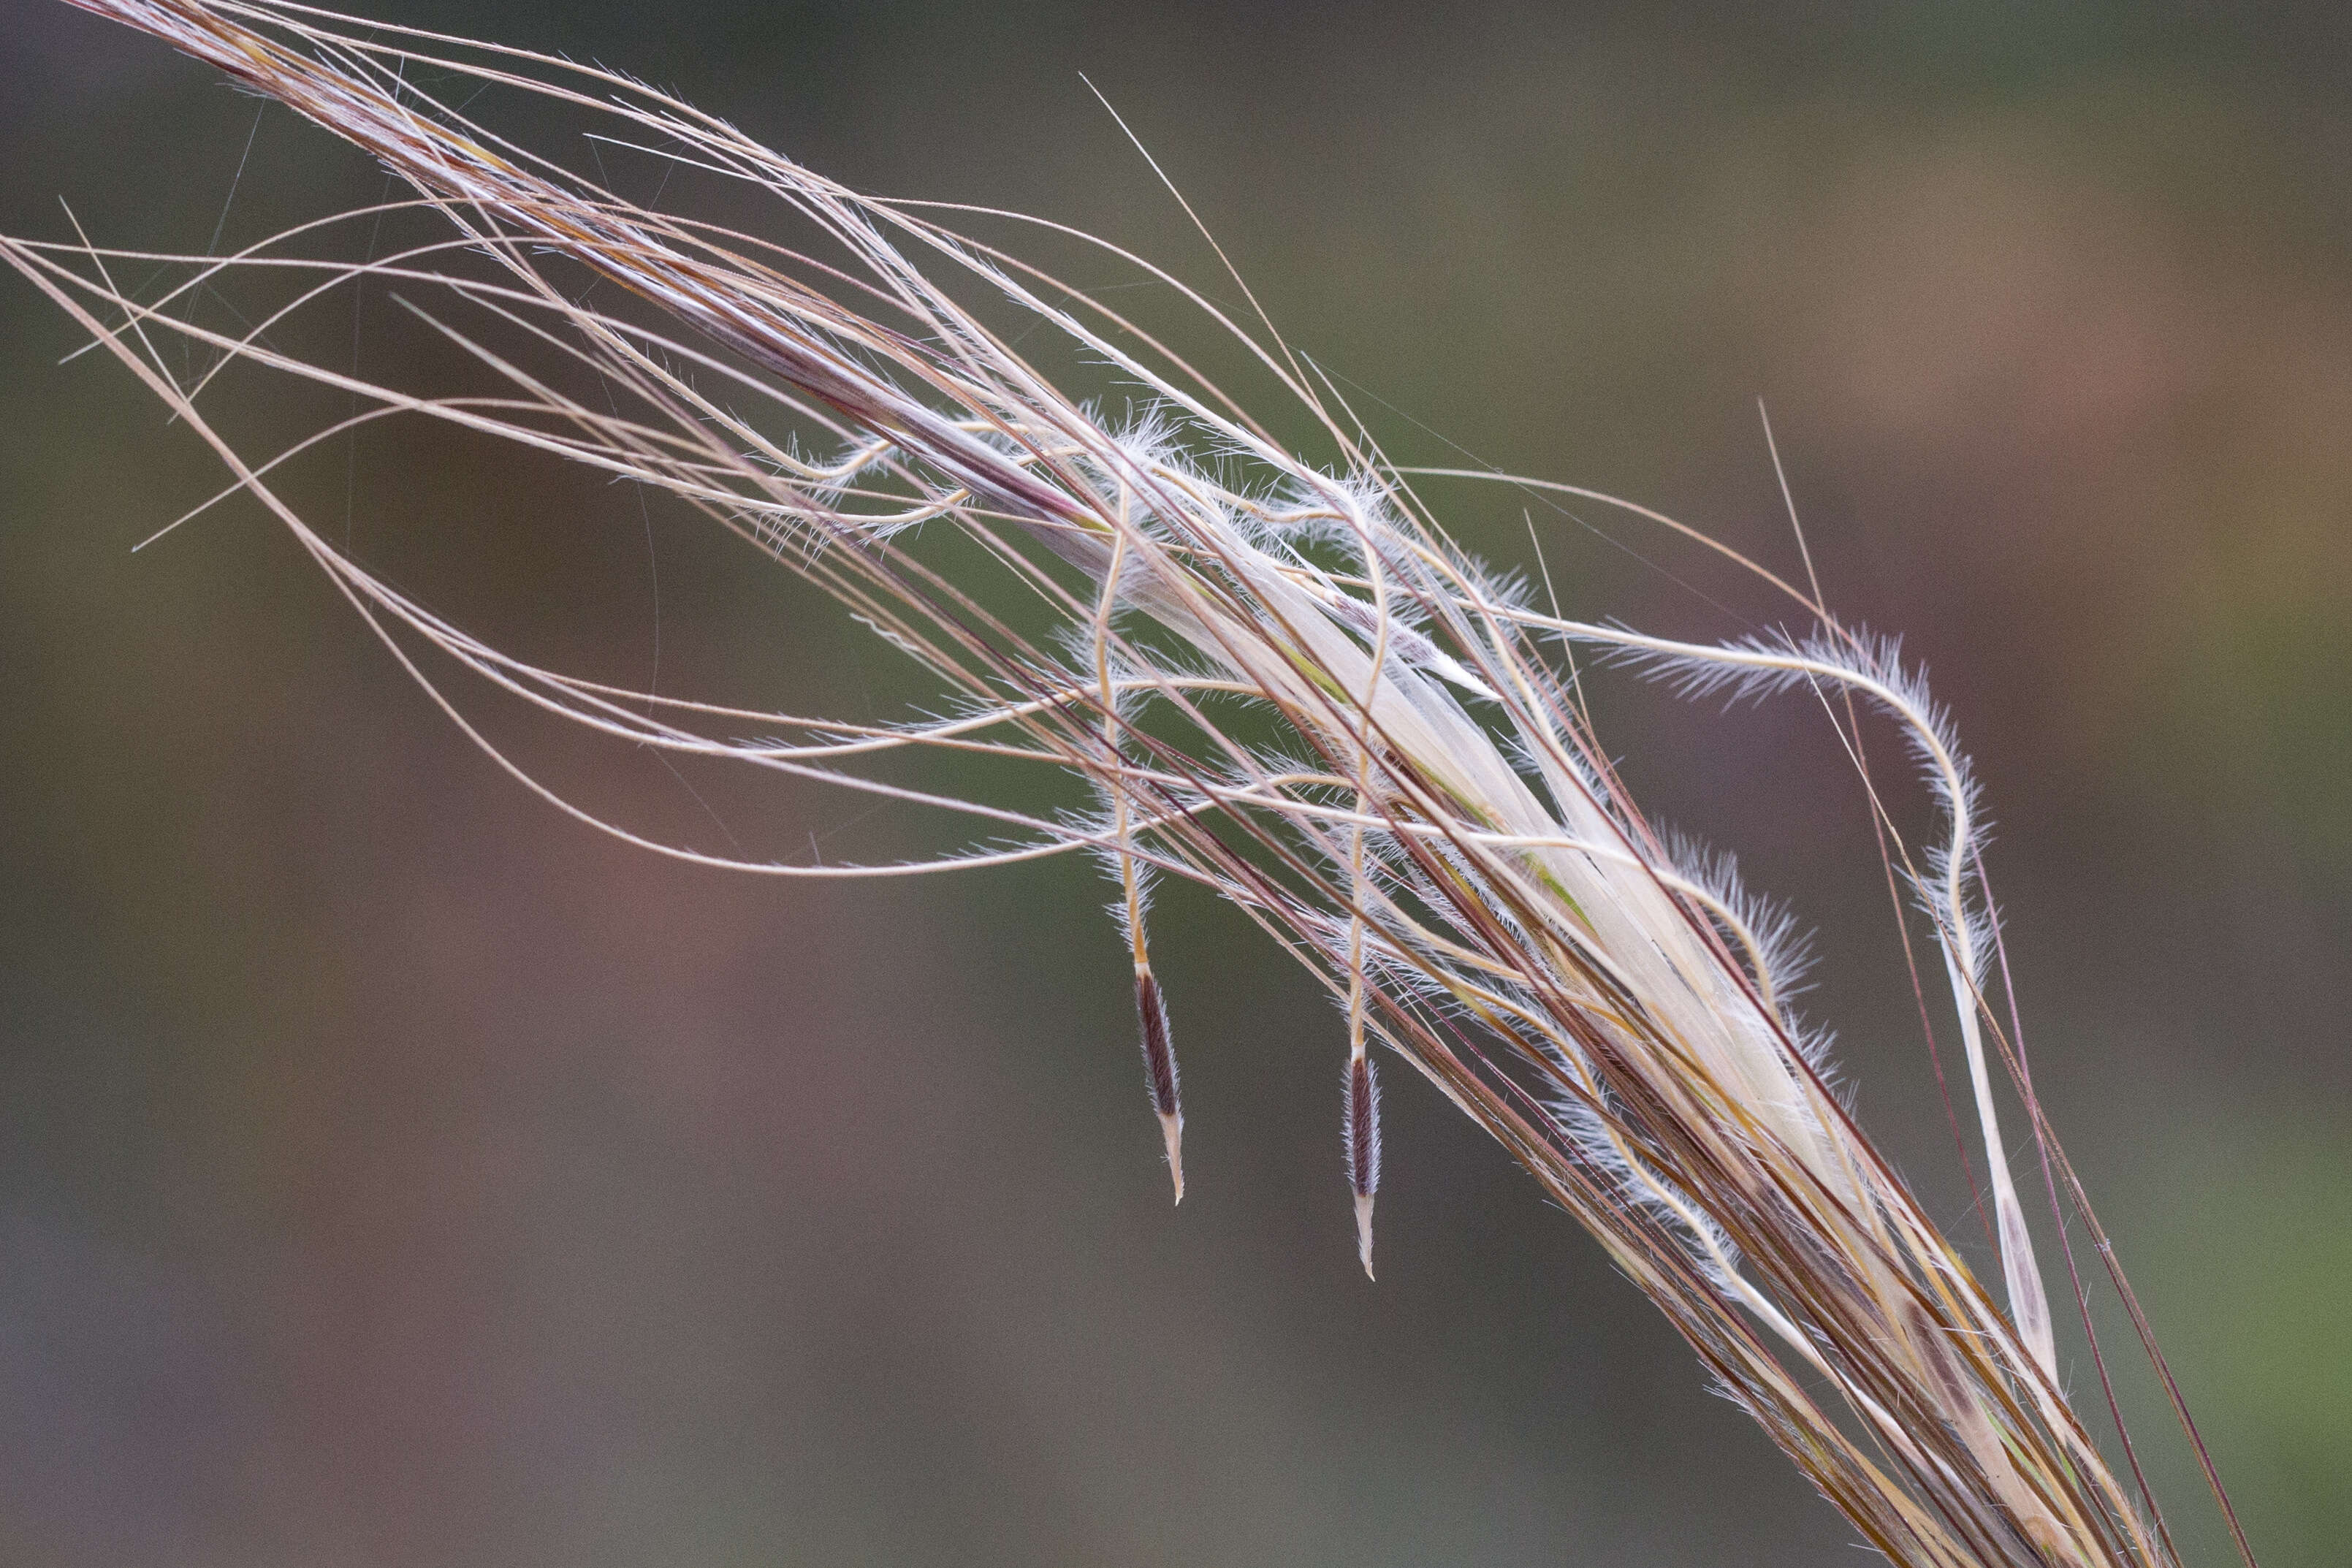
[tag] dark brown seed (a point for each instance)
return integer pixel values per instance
(1159, 1057)
(1363, 1127)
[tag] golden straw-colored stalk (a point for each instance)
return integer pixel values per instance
(1278, 680)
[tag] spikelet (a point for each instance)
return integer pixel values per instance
(1436, 834)
(1361, 1116)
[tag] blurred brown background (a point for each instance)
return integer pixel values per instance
(393, 1172)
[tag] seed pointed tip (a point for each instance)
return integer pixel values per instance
(1171, 1128)
(1364, 1233)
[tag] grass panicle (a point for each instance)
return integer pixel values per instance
(1277, 677)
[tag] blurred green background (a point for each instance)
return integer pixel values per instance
(393, 1172)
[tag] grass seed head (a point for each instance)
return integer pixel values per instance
(1437, 833)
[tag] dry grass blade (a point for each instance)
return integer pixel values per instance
(1277, 680)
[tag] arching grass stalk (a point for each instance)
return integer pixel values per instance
(1279, 679)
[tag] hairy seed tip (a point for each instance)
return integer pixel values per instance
(1159, 1072)
(1361, 1130)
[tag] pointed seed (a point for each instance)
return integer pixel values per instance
(1362, 1136)
(1160, 1072)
